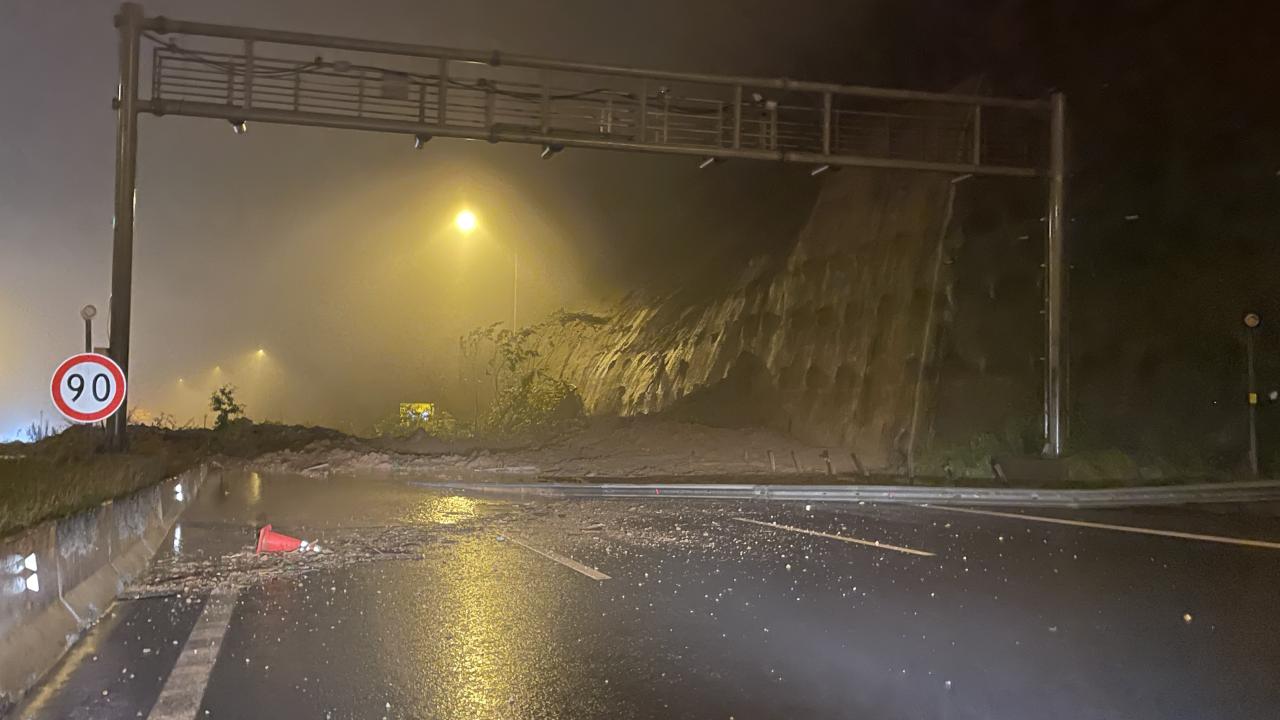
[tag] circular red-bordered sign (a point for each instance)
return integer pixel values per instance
(88, 387)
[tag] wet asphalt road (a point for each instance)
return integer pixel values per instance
(705, 614)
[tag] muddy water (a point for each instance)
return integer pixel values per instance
(226, 517)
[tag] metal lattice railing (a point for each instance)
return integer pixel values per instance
(517, 101)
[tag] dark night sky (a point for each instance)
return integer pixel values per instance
(329, 248)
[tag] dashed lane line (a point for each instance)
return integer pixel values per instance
(567, 562)
(183, 690)
(842, 538)
(1247, 542)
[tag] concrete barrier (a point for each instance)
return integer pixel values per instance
(59, 577)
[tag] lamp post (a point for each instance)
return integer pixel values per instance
(88, 312)
(1251, 323)
(466, 223)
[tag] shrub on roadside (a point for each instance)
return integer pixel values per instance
(223, 403)
(536, 402)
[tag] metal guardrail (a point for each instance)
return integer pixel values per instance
(1257, 491)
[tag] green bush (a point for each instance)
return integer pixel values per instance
(972, 458)
(535, 402)
(514, 396)
(223, 403)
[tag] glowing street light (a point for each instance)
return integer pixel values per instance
(261, 353)
(465, 221)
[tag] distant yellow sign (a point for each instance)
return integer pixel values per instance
(416, 412)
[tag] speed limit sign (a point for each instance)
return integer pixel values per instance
(88, 387)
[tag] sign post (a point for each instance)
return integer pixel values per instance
(1251, 323)
(88, 388)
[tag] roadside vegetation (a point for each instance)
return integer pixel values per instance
(225, 407)
(61, 473)
(512, 394)
(973, 463)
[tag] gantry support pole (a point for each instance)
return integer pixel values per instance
(1055, 361)
(129, 23)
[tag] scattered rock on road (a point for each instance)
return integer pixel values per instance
(178, 574)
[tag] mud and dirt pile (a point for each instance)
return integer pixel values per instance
(827, 345)
(639, 447)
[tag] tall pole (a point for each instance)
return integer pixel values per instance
(1055, 431)
(129, 24)
(1251, 322)
(515, 287)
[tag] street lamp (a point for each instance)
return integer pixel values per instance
(465, 221)
(1251, 323)
(87, 313)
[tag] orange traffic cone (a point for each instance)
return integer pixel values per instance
(271, 541)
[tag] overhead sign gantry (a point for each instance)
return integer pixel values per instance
(244, 75)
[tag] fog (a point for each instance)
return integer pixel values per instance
(333, 253)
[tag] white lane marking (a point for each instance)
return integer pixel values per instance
(1118, 528)
(567, 562)
(842, 538)
(183, 690)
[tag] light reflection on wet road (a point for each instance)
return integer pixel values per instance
(706, 616)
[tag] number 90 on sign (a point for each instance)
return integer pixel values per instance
(88, 387)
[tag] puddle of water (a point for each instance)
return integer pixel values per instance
(316, 502)
(443, 510)
(226, 516)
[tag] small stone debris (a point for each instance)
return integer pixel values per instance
(193, 576)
